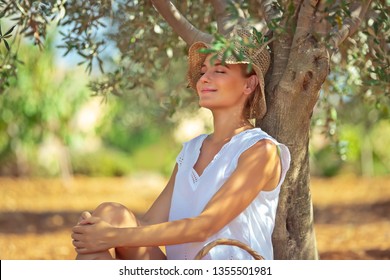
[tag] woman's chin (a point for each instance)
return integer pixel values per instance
(205, 104)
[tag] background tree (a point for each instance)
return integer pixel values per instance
(38, 113)
(305, 35)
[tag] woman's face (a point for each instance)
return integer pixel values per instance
(222, 86)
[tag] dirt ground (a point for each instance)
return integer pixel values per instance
(352, 215)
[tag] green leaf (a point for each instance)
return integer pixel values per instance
(83, 55)
(225, 55)
(6, 45)
(100, 64)
(206, 51)
(89, 68)
(9, 31)
(249, 68)
(213, 59)
(66, 53)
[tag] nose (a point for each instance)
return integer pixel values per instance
(205, 78)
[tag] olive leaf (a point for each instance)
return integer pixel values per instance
(6, 36)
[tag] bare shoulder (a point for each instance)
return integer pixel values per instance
(264, 148)
(262, 160)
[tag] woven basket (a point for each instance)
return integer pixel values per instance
(231, 242)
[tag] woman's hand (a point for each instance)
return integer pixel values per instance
(85, 215)
(92, 234)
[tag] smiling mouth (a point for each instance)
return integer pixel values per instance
(207, 90)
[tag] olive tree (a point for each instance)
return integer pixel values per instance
(304, 37)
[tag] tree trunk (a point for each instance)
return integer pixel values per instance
(290, 105)
(293, 236)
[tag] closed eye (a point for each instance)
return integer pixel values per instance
(219, 68)
(216, 71)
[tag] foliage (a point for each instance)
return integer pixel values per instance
(115, 33)
(6, 36)
(143, 63)
(42, 105)
(349, 115)
(355, 96)
(103, 162)
(88, 27)
(38, 107)
(9, 61)
(132, 25)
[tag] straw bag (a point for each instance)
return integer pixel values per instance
(231, 242)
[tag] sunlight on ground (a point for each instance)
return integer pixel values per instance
(36, 215)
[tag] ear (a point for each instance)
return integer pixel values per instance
(251, 84)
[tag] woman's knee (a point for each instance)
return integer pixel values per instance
(115, 214)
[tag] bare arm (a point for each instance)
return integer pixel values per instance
(258, 169)
(159, 211)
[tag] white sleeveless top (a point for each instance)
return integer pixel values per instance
(254, 226)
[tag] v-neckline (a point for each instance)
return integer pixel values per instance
(195, 177)
(216, 156)
(194, 174)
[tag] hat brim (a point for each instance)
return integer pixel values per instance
(195, 61)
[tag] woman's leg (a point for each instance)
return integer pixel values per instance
(118, 215)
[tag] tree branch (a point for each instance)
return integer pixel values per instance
(269, 10)
(350, 25)
(305, 19)
(321, 25)
(223, 18)
(281, 47)
(179, 23)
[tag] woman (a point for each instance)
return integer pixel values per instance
(224, 185)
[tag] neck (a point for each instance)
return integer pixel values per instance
(226, 126)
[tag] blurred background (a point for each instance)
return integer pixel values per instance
(65, 149)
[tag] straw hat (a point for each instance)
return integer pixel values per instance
(244, 50)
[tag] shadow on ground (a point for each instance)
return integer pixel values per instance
(39, 223)
(352, 214)
(45, 222)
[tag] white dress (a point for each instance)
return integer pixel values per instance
(192, 192)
